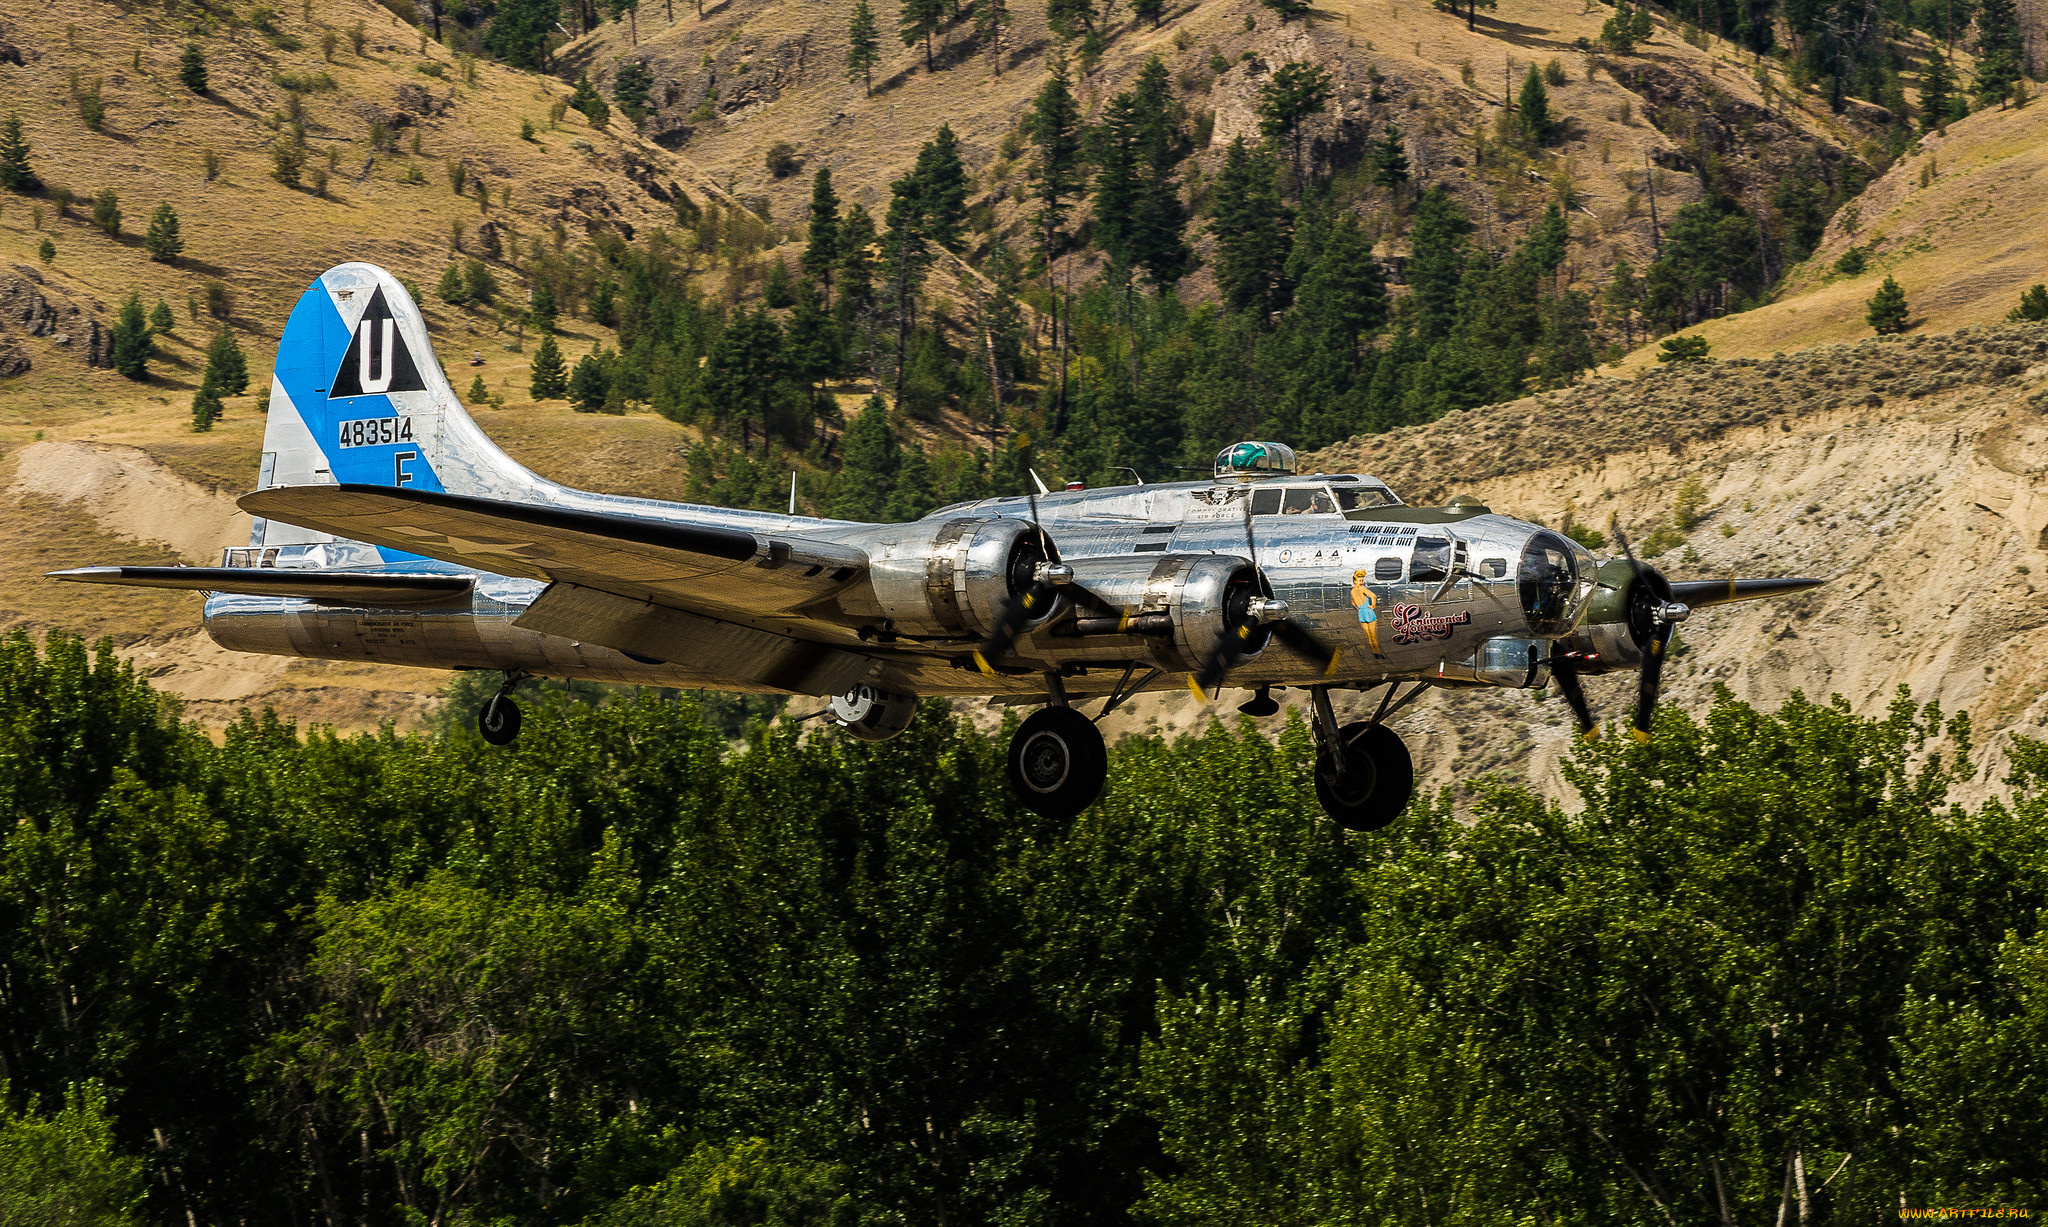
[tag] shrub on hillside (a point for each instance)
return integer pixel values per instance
(2033, 306)
(106, 212)
(192, 69)
(163, 241)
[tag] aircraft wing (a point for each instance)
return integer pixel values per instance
(701, 568)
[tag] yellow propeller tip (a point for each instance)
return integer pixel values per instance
(981, 663)
(1196, 687)
(1331, 669)
(1639, 735)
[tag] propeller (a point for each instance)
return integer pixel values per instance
(1038, 578)
(1564, 670)
(1653, 618)
(1252, 616)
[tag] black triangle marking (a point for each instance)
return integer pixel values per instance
(389, 366)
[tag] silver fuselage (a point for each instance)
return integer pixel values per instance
(1472, 630)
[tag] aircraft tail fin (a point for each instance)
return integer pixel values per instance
(359, 397)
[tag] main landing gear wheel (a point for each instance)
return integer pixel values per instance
(1377, 781)
(498, 720)
(1057, 762)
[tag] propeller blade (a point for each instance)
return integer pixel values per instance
(1011, 622)
(1700, 593)
(1296, 636)
(1651, 680)
(1565, 672)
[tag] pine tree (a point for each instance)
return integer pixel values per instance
(869, 456)
(941, 181)
(1436, 269)
(520, 31)
(1619, 300)
(541, 310)
(226, 365)
(812, 345)
(1888, 309)
(906, 255)
(15, 173)
(1149, 10)
(1389, 160)
(920, 19)
(863, 46)
(1151, 221)
(2033, 306)
(452, 289)
(1251, 226)
(192, 69)
(1070, 18)
(856, 264)
(1295, 92)
(206, 406)
(130, 341)
(1532, 110)
(821, 247)
(550, 374)
(479, 392)
(744, 374)
(1055, 126)
(106, 212)
(161, 321)
(1114, 150)
(632, 88)
(586, 99)
(912, 495)
(991, 20)
(589, 384)
(1937, 92)
(2001, 50)
(163, 241)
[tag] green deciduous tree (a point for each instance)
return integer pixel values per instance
(64, 1168)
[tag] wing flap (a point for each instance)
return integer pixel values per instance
(696, 566)
(741, 653)
(352, 588)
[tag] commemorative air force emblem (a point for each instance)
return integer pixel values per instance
(377, 360)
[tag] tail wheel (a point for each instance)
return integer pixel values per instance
(1058, 762)
(498, 720)
(1377, 781)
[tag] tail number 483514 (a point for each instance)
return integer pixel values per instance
(369, 432)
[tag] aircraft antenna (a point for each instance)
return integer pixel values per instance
(792, 492)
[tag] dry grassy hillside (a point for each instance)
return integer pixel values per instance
(1962, 224)
(776, 73)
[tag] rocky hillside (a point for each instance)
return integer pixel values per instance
(746, 78)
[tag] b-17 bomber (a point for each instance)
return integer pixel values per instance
(390, 528)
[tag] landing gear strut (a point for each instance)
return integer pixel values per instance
(1364, 776)
(498, 719)
(1057, 759)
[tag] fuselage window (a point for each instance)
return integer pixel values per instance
(1387, 568)
(1363, 497)
(1309, 502)
(1494, 567)
(1432, 560)
(1266, 502)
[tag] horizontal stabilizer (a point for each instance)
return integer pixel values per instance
(353, 588)
(1700, 593)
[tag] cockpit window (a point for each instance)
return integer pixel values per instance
(1495, 568)
(1358, 498)
(1432, 560)
(1308, 502)
(1547, 578)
